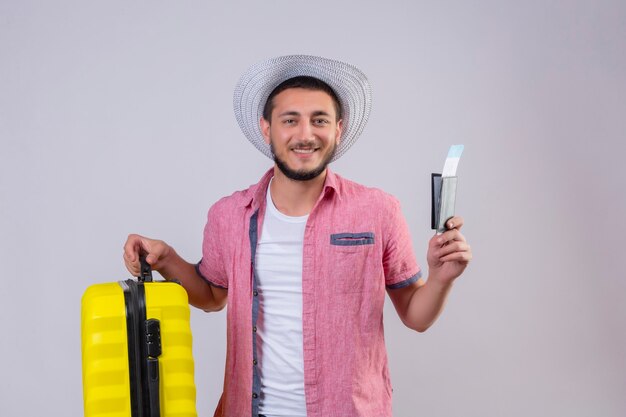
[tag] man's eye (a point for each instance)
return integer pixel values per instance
(321, 121)
(289, 121)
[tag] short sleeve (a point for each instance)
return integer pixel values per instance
(399, 264)
(211, 266)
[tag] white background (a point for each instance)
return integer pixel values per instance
(116, 117)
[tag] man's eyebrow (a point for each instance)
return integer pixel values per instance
(289, 113)
(321, 113)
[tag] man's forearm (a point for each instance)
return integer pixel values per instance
(425, 305)
(200, 293)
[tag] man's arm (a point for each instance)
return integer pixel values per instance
(164, 259)
(419, 304)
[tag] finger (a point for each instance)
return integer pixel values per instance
(132, 247)
(154, 250)
(455, 222)
(135, 245)
(451, 236)
(464, 257)
(452, 248)
(132, 267)
(151, 259)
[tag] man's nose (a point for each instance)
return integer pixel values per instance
(306, 131)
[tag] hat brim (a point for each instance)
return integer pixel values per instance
(348, 82)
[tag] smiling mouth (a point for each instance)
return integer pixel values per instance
(304, 150)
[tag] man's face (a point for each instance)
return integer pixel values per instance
(303, 132)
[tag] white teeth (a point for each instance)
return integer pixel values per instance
(304, 150)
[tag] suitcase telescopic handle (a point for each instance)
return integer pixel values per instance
(145, 272)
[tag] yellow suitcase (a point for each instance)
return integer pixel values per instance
(137, 350)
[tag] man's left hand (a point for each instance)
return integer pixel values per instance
(448, 253)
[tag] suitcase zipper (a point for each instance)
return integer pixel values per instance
(144, 347)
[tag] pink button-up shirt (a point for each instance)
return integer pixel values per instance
(356, 244)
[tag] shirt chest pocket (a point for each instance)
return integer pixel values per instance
(352, 261)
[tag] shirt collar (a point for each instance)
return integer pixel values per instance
(331, 184)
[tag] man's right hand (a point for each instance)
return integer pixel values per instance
(156, 252)
(164, 259)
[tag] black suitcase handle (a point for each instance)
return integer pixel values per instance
(145, 270)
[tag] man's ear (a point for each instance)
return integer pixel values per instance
(339, 131)
(265, 129)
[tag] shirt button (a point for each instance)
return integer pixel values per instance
(254, 329)
(255, 293)
(254, 395)
(254, 362)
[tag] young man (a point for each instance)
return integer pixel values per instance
(304, 257)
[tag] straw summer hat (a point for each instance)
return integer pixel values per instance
(348, 82)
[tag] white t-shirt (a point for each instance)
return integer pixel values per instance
(279, 325)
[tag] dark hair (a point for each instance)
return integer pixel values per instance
(306, 82)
